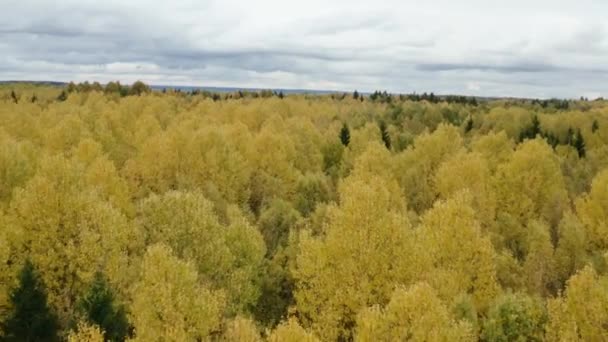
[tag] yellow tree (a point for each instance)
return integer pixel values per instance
(593, 212)
(529, 186)
(417, 165)
(414, 313)
(170, 303)
(70, 233)
(454, 256)
(365, 252)
(241, 329)
(227, 256)
(469, 171)
(582, 312)
(86, 333)
(291, 331)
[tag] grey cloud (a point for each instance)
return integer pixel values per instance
(393, 45)
(513, 68)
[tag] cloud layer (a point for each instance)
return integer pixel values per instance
(529, 48)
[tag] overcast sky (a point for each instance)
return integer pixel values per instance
(531, 48)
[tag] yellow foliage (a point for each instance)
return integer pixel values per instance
(365, 253)
(593, 211)
(453, 255)
(170, 303)
(414, 313)
(291, 331)
(581, 314)
(86, 333)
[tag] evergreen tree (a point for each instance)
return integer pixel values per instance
(31, 318)
(570, 137)
(14, 96)
(386, 138)
(579, 144)
(469, 125)
(63, 96)
(345, 135)
(531, 131)
(595, 126)
(99, 308)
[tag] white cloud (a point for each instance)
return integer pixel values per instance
(515, 48)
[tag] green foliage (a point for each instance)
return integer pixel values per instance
(138, 88)
(515, 317)
(62, 97)
(99, 308)
(31, 318)
(345, 135)
(386, 138)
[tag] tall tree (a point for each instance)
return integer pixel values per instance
(579, 144)
(345, 135)
(386, 138)
(14, 97)
(63, 96)
(99, 308)
(31, 318)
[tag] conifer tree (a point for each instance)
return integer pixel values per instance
(14, 96)
(386, 138)
(579, 144)
(595, 126)
(31, 318)
(63, 96)
(99, 308)
(469, 125)
(345, 135)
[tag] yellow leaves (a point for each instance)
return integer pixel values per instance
(86, 333)
(291, 331)
(169, 301)
(593, 211)
(417, 165)
(69, 233)
(365, 253)
(458, 258)
(469, 171)
(241, 329)
(414, 313)
(582, 313)
(227, 257)
(530, 185)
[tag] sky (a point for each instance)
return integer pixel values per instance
(531, 48)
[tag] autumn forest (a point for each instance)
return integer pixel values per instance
(172, 215)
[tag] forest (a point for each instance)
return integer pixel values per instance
(128, 214)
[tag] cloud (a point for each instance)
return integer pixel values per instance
(524, 49)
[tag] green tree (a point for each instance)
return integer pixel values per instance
(31, 318)
(138, 88)
(579, 144)
(345, 135)
(595, 126)
(14, 97)
(515, 317)
(100, 309)
(386, 138)
(63, 96)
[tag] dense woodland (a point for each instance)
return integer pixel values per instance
(127, 214)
